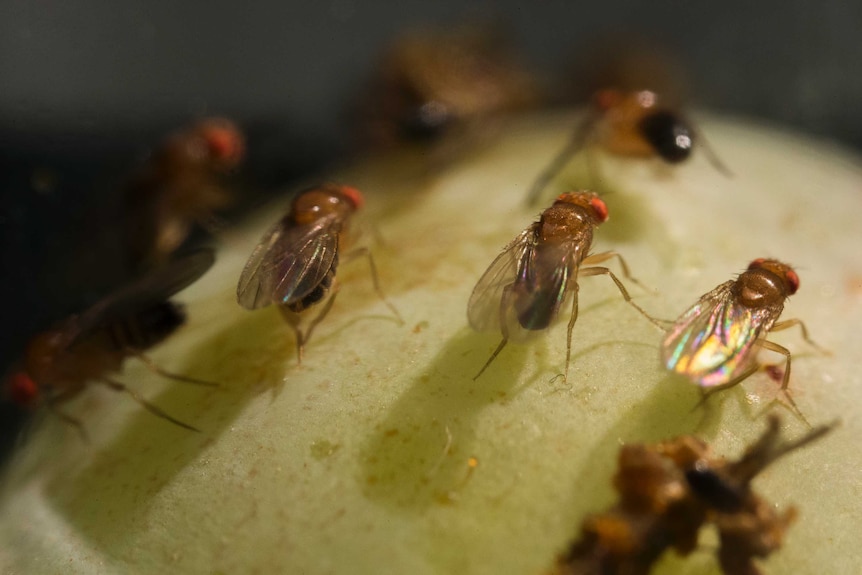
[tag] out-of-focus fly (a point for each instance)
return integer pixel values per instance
(715, 342)
(628, 123)
(432, 84)
(669, 491)
(525, 287)
(60, 362)
(181, 184)
(295, 262)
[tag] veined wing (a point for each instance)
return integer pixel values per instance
(483, 309)
(155, 287)
(289, 262)
(715, 340)
(543, 284)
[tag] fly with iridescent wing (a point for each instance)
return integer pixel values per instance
(715, 343)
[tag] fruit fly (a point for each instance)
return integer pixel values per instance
(715, 342)
(295, 262)
(431, 84)
(669, 491)
(180, 185)
(632, 123)
(60, 362)
(525, 287)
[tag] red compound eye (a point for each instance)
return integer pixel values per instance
(600, 208)
(224, 141)
(352, 195)
(22, 389)
(792, 281)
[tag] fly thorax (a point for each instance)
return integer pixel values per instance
(310, 206)
(759, 288)
(564, 222)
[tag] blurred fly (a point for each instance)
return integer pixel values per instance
(669, 491)
(633, 123)
(295, 262)
(525, 287)
(180, 185)
(434, 84)
(715, 343)
(60, 362)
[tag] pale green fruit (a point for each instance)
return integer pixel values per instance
(359, 461)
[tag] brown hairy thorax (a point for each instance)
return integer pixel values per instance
(765, 283)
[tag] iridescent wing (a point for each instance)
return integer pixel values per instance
(716, 339)
(153, 288)
(483, 309)
(289, 262)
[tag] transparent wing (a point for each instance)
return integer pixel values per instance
(155, 287)
(543, 285)
(715, 340)
(288, 263)
(483, 309)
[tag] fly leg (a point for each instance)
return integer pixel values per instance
(569, 329)
(751, 370)
(786, 379)
(598, 270)
(360, 252)
(712, 156)
(708, 392)
(572, 147)
(504, 305)
(117, 386)
(294, 319)
(593, 169)
(152, 366)
(605, 256)
(319, 317)
(53, 403)
(788, 323)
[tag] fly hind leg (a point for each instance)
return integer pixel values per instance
(785, 382)
(294, 319)
(572, 320)
(154, 367)
(365, 252)
(54, 402)
(599, 270)
(788, 323)
(157, 411)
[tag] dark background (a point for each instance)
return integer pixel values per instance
(86, 87)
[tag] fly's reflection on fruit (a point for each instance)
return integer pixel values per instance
(294, 264)
(626, 123)
(181, 184)
(716, 342)
(524, 289)
(60, 362)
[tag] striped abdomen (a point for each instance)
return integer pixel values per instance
(146, 327)
(318, 293)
